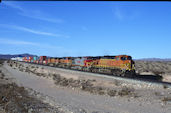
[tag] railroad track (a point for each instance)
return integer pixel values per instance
(137, 79)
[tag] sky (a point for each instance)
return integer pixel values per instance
(77, 28)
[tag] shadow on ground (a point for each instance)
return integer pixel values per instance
(150, 77)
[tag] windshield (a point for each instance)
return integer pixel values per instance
(123, 58)
(129, 58)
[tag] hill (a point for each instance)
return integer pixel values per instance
(8, 56)
(153, 59)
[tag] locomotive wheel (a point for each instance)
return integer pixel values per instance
(129, 73)
(68, 67)
(93, 70)
(85, 69)
(117, 72)
(89, 69)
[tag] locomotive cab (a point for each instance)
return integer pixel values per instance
(126, 62)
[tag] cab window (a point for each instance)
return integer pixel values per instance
(129, 58)
(123, 58)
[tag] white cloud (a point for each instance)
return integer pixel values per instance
(15, 42)
(38, 32)
(122, 12)
(35, 14)
(34, 31)
(118, 13)
(21, 43)
(44, 48)
(40, 47)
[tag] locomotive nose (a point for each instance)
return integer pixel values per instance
(132, 64)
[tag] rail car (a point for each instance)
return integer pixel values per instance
(121, 65)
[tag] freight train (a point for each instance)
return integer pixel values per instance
(120, 65)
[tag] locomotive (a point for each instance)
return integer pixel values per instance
(120, 65)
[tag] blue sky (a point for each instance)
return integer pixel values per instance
(139, 29)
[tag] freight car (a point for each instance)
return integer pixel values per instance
(121, 65)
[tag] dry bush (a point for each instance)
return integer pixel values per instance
(21, 70)
(96, 90)
(157, 72)
(157, 93)
(116, 83)
(2, 61)
(111, 92)
(160, 67)
(166, 99)
(32, 67)
(8, 61)
(125, 91)
(165, 86)
(87, 85)
(15, 99)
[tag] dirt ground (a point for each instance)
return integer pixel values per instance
(80, 92)
(17, 99)
(162, 68)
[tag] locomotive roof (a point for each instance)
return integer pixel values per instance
(89, 57)
(108, 57)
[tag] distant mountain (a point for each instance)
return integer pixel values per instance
(153, 59)
(8, 56)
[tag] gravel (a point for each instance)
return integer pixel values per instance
(87, 94)
(17, 99)
(155, 67)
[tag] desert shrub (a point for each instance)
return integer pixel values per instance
(157, 72)
(116, 83)
(101, 92)
(15, 99)
(21, 70)
(96, 90)
(125, 91)
(95, 112)
(2, 61)
(157, 93)
(111, 92)
(166, 99)
(8, 61)
(32, 67)
(86, 85)
(165, 86)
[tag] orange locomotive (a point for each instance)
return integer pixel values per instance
(121, 65)
(65, 62)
